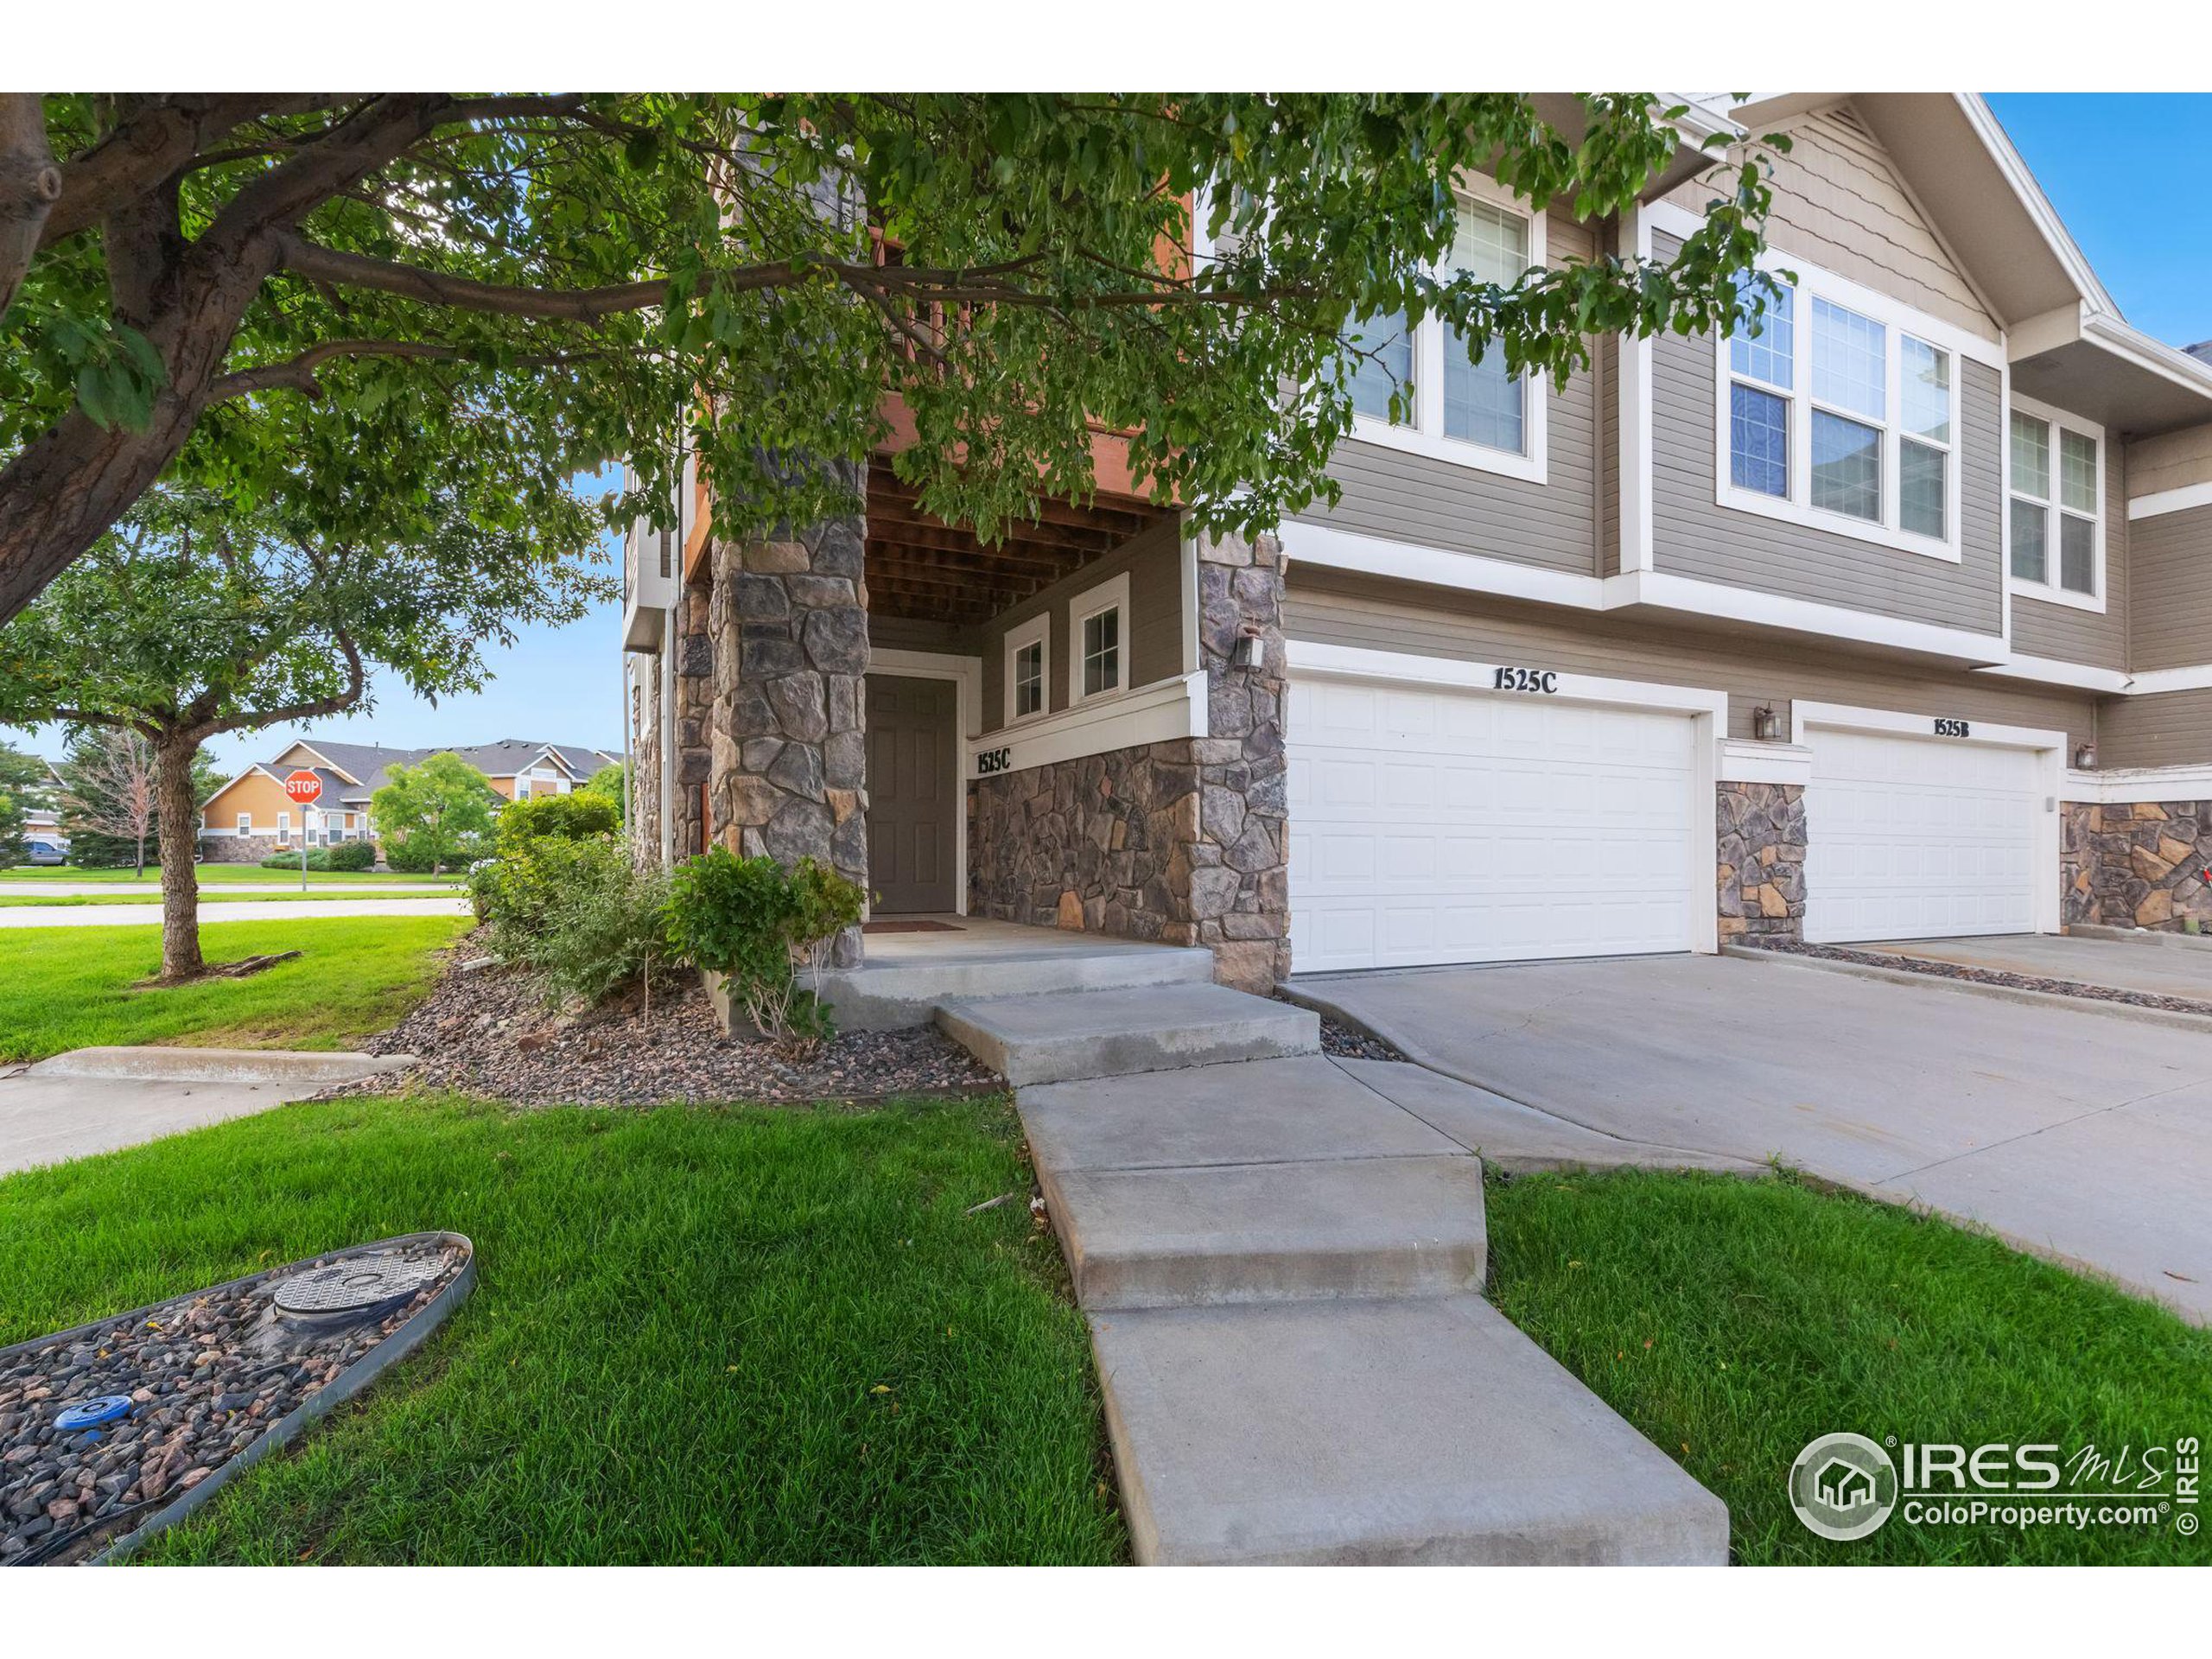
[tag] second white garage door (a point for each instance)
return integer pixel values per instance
(1434, 826)
(1918, 837)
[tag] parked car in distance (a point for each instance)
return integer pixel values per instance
(44, 852)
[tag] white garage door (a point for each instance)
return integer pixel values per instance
(1439, 826)
(1918, 838)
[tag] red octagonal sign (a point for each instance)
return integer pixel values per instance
(303, 786)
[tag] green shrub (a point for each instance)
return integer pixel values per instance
(353, 855)
(420, 854)
(572, 817)
(573, 912)
(754, 922)
(318, 858)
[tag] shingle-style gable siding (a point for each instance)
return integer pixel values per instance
(1430, 503)
(1839, 204)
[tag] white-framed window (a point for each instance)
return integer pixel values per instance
(283, 826)
(245, 824)
(1474, 414)
(1839, 409)
(1028, 669)
(2055, 505)
(1098, 641)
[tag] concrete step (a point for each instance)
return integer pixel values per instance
(892, 995)
(1101, 1034)
(1368, 1227)
(1422, 1430)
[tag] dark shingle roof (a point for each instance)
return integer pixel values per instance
(372, 762)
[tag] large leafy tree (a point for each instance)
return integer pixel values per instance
(201, 616)
(327, 297)
(430, 816)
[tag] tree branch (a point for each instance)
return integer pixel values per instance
(303, 257)
(357, 681)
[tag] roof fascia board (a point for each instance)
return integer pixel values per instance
(1991, 131)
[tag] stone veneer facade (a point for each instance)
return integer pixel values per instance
(1762, 862)
(2137, 866)
(695, 706)
(787, 764)
(1182, 841)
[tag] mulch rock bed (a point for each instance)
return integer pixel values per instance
(488, 1030)
(1349, 1042)
(1990, 976)
(207, 1375)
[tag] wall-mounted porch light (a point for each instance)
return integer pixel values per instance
(2085, 758)
(1766, 725)
(1251, 650)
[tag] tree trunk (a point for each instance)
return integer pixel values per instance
(180, 820)
(30, 186)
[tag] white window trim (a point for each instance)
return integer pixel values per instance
(1037, 631)
(283, 826)
(2048, 590)
(245, 824)
(1425, 436)
(1797, 507)
(1112, 594)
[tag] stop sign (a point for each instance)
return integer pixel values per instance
(303, 786)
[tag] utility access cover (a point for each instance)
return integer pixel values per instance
(356, 1286)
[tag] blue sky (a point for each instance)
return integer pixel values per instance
(2125, 171)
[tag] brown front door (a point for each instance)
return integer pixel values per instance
(912, 793)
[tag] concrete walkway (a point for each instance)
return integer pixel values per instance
(2124, 964)
(99, 1099)
(248, 911)
(1282, 1262)
(2078, 1134)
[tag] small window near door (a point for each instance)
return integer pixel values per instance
(1028, 649)
(1099, 629)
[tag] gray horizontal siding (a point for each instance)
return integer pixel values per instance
(2172, 729)
(1696, 537)
(1431, 503)
(1154, 562)
(2171, 566)
(1335, 610)
(2070, 634)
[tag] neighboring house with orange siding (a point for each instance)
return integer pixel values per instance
(250, 817)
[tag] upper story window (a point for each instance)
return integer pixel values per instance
(1474, 414)
(2055, 518)
(1098, 627)
(1837, 417)
(1028, 649)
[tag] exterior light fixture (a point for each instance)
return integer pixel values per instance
(2085, 758)
(1766, 725)
(1251, 651)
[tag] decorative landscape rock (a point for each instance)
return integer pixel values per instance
(489, 1033)
(2140, 865)
(211, 1381)
(1761, 877)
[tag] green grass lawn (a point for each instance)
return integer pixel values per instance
(312, 896)
(70, 987)
(225, 873)
(1733, 1321)
(699, 1335)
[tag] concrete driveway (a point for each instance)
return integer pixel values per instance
(246, 910)
(2081, 1135)
(2159, 969)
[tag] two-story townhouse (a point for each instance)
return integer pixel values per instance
(1876, 623)
(250, 817)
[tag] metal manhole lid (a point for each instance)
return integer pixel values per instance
(364, 1281)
